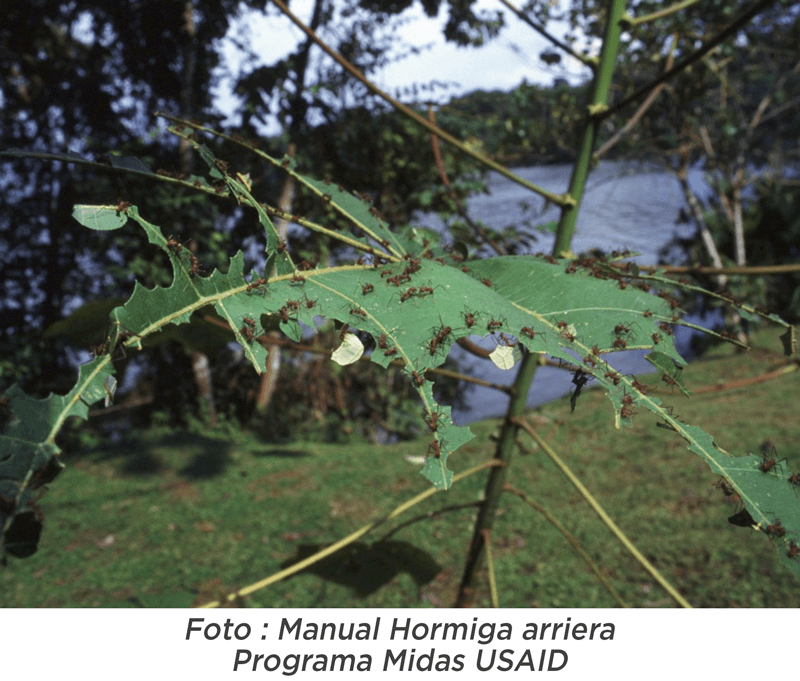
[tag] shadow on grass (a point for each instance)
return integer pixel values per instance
(365, 568)
(208, 456)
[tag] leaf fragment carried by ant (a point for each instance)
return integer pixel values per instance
(100, 218)
(349, 351)
(503, 357)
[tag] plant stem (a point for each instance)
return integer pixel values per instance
(530, 361)
(571, 539)
(349, 539)
(598, 101)
(494, 485)
(597, 508)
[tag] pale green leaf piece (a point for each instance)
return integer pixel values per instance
(100, 218)
(503, 357)
(350, 351)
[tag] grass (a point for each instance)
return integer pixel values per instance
(179, 520)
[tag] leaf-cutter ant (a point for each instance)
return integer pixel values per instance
(358, 311)
(174, 245)
(770, 462)
(409, 292)
(433, 421)
(195, 267)
(620, 343)
(494, 324)
(775, 529)
(122, 207)
(794, 550)
(256, 284)
(528, 331)
(297, 279)
(722, 484)
(247, 332)
(435, 447)
(417, 378)
(621, 328)
(487, 282)
(367, 288)
(469, 319)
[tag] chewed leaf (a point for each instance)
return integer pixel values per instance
(503, 357)
(100, 218)
(349, 351)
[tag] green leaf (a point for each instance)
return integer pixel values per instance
(28, 454)
(101, 218)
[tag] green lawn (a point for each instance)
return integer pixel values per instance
(184, 519)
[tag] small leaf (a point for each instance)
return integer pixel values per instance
(100, 218)
(503, 357)
(349, 351)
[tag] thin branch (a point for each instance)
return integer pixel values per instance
(597, 508)
(430, 515)
(747, 271)
(558, 199)
(745, 382)
(635, 21)
(646, 104)
(437, 155)
(591, 62)
(349, 539)
(732, 28)
(157, 177)
(571, 539)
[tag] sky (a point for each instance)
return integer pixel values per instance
(502, 64)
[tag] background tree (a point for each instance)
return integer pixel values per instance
(85, 78)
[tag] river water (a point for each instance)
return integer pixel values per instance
(624, 207)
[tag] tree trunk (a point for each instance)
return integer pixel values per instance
(200, 364)
(269, 379)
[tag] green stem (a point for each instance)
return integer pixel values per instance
(494, 485)
(571, 539)
(597, 104)
(530, 361)
(597, 508)
(667, 11)
(493, 597)
(349, 539)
